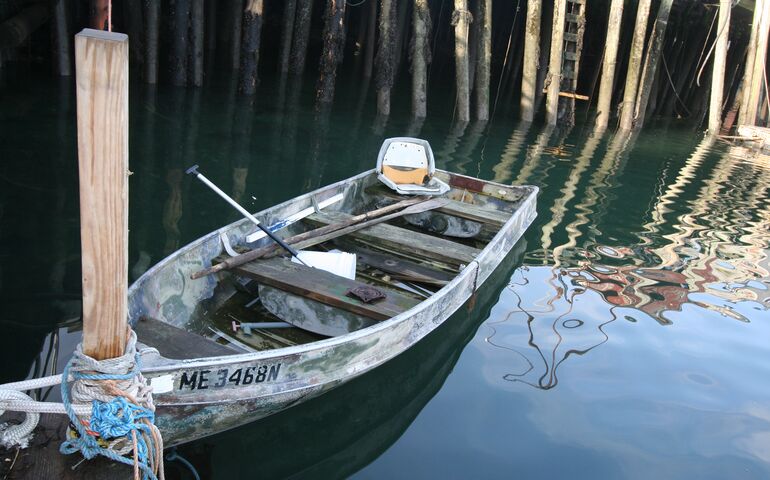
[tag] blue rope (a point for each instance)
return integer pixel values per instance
(114, 419)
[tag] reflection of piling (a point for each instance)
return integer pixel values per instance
(531, 60)
(604, 106)
(634, 66)
(289, 9)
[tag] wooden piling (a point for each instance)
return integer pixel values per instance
(181, 24)
(651, 60)
(301, 36)
(554, 64)
(236, 17)
(531, 60)
(289, 10)
(634, 66)
(484, 60)
(604, 104)
(252, 32)
(334, 41)
(152, 24)
(197, 42)
(420, 58)
(386, 56)
(720, 64)
(371, 28)
(101, 62)
(461, 19)
(62, 36)
(753, 84)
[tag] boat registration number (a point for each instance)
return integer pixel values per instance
(223, 377)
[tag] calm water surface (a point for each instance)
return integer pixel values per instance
(627, 335)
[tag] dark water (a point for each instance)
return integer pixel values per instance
(627, 336)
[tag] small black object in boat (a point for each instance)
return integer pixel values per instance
(366, 294)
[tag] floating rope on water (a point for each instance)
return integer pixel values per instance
(122, 414)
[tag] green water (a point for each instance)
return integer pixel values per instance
(627, 335)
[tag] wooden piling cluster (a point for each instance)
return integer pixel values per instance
(505, 54)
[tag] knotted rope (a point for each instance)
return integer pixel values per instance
(122, 414)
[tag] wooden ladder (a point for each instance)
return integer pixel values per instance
(574, 27)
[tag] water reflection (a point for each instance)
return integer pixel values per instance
(702, 245)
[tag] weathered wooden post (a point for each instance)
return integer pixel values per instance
(371, 27)
(252, 32)
(334, 41)
(101, 63)
(420, 58)
(755, 64)
(62, 36)
(461, 20)
(634, 66)
(554, 64)
(197, 41)
(152, 12)
(386, 55)
(236, 18)
(484, 60)
(720, 63)
(531, 60)
(179, 42)
(604, 104)
(301, 36)
(289, 9)
(657, 37)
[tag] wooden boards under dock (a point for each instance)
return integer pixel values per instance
(323, 287)
(405, 240)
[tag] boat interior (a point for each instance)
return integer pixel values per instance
(399, 260)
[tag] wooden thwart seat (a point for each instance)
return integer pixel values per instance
(401, 239)
(467, 211)
(173, 342)
(323, 287)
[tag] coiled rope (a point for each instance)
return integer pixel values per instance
(109, 405)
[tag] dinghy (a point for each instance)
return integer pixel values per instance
(230, 331)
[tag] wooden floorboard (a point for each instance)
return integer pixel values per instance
(173, 342)
(323, 287)
(411, 242)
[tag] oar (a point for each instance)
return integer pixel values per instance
(194, 172)
(328, 232)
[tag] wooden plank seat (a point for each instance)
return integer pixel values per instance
(401, 239)
(455, 208)
(323, 287)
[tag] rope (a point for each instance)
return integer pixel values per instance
(122, 414)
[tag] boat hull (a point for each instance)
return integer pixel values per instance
(201, 396)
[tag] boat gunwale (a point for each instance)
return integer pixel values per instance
(372, 330)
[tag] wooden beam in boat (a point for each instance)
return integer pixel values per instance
(323, 287)
(401, 239)
(455, 208)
